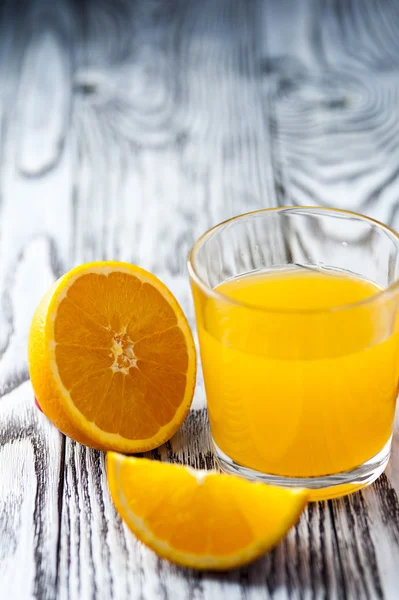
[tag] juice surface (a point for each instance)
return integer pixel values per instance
(299, 394)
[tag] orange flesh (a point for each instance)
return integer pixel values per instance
(203, 523)
(121, 353)
(200, 519)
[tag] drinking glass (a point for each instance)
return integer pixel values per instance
(298, 395)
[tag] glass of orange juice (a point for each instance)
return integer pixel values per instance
(297, 318)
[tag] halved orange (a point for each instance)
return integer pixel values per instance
(111, 357)
(200, 519)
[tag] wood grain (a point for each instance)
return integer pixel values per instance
(128, 128)
(29, 508)
(34, 249)
(333, 67)
(335, 124)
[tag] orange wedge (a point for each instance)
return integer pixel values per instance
(200, 519)
(111, 358)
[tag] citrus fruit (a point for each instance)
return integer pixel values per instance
(200, 519)
(111, 357)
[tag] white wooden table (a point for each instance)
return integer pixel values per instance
(127, 128)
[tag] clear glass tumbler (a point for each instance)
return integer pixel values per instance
(297, 321)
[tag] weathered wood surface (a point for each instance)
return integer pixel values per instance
(127, 128)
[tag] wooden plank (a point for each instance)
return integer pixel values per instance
(29, 500)
(34, 248)
(334, 67)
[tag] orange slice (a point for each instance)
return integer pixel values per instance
(200, 519)
(111, 357)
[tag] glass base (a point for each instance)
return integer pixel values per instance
(320, 488)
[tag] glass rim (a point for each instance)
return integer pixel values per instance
(385, 293)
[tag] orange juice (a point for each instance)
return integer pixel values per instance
(297, 386)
